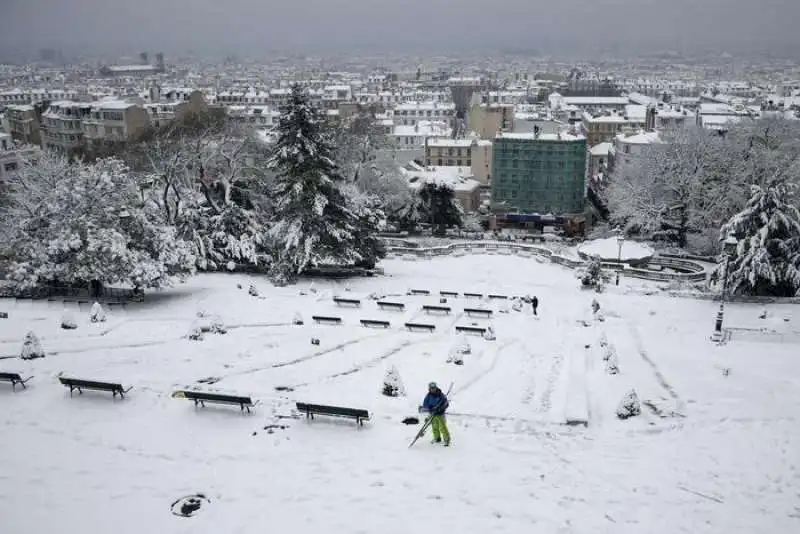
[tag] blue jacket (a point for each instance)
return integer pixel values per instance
(435, 403)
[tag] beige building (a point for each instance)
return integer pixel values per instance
(62, 127)
(114, 121)
(23, 124)
(488, 119)
(473, 153)
(173, 105)
(467, 190)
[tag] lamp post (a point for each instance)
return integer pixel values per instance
(620, 241)
(729, 247)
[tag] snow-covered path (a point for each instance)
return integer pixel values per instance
(726, 461)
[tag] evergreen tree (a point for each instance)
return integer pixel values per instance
(767, 256)
(316, 222)
(439, 207)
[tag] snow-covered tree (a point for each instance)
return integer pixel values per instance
(439, 207)
(767, 256)
(31, 347)
(87, 223)
(629, 406)
(315, 221)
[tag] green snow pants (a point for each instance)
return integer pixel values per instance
(439, 427)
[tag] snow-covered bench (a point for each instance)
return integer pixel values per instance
(372, 323)
(202, 397)
(80, 385)
(438, 309)
(452, 294)
(334, 411)
(478, 311)
(347, 302)
(498, 297)
(473, 295)
(420, 326)
(15, 379)
(383, 304)
(322, 319)
(476, 330)
(418, 292)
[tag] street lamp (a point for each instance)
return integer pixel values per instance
(728, 247)
(620, 241)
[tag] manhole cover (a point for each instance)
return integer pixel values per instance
(189, 505)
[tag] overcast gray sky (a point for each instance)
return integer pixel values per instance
(226, 26)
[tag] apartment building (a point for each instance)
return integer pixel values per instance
(488, 119)
(539, 173)
(473, 153)
(23, 124)
(172, 104)
(406, 137)
(62, 127)
(114, 121)
(604, 127)
(9, 158)
(22, 97)
(411, 113)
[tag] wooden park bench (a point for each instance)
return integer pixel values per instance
(473, 295)
(202, 397)
(371, 323)
(478, 311)
(383, 304)
(322, 319)
(3, 315)
(418, 292)
(476, 330)
(414, 327)
(333, 411)
(498, 297)
(347, 302)
(15, 379)
(438, 309)
(80, 385)
(451, 294)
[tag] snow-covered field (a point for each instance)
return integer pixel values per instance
(718, 451)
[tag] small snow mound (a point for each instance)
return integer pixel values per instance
(68, 321)
(629, 406)
(195, 334)
(297, 319)
(252, 290)
(31, 348)
(392, 383)
(97, 313)
(489, 334)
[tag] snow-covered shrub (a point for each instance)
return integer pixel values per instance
(68, 321)
(97, 314)
(592, 275)
(612, 364)
(505, 308)
(489, 334)
(217, 327)
(31, 348)
(595, 306)
(252, 290)
(297, 319)
(459, 349)
(315, 341)
(195, 334)
(629, 406)
(392, 383)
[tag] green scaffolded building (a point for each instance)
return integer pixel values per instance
(539, 173)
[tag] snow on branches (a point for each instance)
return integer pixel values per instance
(78, 223)
(767, 256)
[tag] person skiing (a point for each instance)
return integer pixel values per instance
(436, 403)
(535, 304)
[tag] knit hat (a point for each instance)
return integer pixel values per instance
(433, 385)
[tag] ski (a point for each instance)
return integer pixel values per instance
(427, 422)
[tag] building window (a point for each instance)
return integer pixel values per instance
(9, 167)
(458, 163)
(439, 162)
(469, 163)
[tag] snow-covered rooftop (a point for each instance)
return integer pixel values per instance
(541, 137)
(601, 149)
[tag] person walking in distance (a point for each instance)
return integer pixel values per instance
(436, 403)
(535, 304)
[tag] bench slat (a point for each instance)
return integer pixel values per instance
(335, 411)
